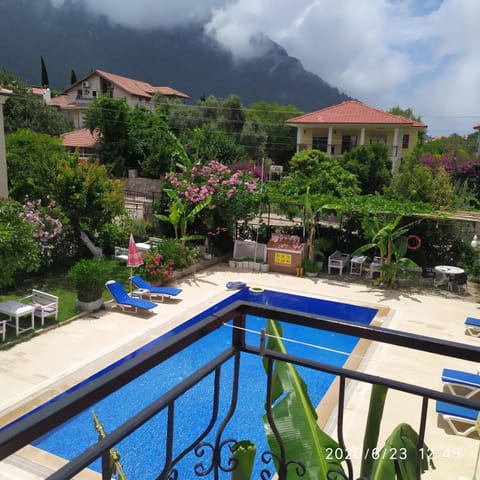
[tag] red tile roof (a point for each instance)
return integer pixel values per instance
(134, 87)
(60, 101)
(353, 112)
(477, 127)
(82, 138)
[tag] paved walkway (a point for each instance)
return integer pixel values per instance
(36, 370)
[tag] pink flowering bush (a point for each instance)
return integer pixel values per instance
(453, 164)
(232, 195)
(156, 269)
(48, 229)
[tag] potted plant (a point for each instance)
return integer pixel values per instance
(320, 247)
(89, 277)
(310, 267)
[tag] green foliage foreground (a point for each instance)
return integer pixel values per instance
(302, 450)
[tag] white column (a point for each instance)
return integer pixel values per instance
(3, 154)
(299, 138)
(395, 142)
(394, 154)
(329, 141)
(362, 136)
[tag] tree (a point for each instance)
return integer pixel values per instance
(408, 113)
(227, 114)
(322, 174)
(112, 118)
(33, 162)
(253, 139)
(454, 146)
(152, 146)
(44, 81)
(417, 183)
(23, 109)
(73, 77)
(372, 166)
(87, 195)
(281, 138)
(209, 142)
(19, 251)
(231, 116)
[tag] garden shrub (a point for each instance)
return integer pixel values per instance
(89, 276)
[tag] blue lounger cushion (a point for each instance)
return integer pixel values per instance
(472, 321)
(455, 414)
(473, 326)
(124, 300)
(457, 378)
(139, 282)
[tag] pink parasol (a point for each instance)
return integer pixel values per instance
(134, 257)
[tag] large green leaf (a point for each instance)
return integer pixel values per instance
(372, 429)
(295, 419)
(244, 456)
(398, 458)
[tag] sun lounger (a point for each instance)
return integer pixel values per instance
(154, 290)
(124, 300)
(473, 326)
(456, 381)
(455, 416)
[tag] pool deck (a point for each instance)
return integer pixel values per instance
(40, 368)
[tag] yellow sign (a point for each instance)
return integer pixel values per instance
(283, 259)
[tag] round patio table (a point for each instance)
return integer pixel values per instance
(447, 272)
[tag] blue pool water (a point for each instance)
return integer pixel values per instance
(142, 454)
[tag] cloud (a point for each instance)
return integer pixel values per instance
(418, 54)
(146, 14)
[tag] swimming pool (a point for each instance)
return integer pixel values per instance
(142, 453)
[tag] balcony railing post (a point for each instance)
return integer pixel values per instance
(106, 472)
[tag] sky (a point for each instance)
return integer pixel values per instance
(418, 54)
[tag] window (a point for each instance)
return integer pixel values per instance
(320, 143)
(94, 94)
(348, 142)
(405, 140)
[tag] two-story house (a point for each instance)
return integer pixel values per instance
(337, 129)
(78, 96)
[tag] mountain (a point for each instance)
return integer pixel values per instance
(70, 38)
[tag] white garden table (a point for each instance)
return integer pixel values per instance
(447, 272)
(16, 310)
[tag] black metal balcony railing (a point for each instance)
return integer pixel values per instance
(216, 457)
(337, 149)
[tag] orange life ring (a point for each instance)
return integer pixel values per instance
(417, 242)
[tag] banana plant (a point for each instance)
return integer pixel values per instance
(291, 417)
(310, 221)
(244, 456)
(391, 242)
(180, 217)
(397, 459)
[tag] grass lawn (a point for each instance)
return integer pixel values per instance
(60, 285)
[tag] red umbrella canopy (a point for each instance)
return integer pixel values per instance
(134, 256)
